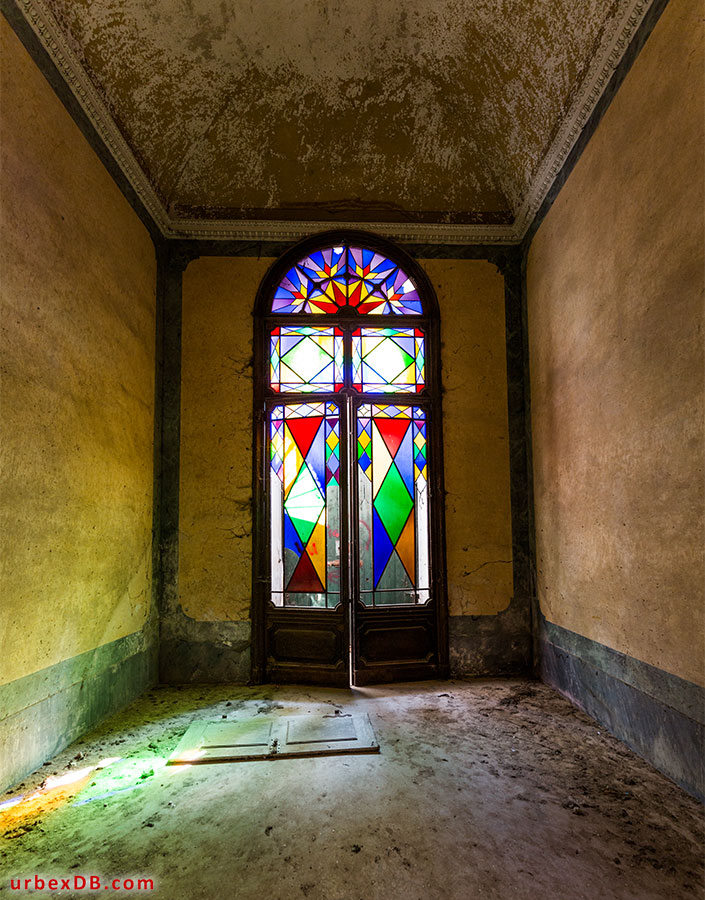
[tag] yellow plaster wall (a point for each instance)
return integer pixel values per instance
(475, 435)
(76, 396)
(615, 287)
(215, 491)
(216, 436)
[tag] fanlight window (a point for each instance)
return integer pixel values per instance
(329, 280)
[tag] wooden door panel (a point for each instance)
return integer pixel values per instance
(395, 645)
(307, 646)
(275, 737)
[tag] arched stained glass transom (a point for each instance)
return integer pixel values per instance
(330, 279)
(350, 462)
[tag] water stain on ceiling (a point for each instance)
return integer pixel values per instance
(423, 111)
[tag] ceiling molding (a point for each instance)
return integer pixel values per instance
(604, 63)
(255, 230)
(613, 47)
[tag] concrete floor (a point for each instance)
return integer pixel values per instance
(491, 788)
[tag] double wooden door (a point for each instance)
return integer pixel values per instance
(352, 597)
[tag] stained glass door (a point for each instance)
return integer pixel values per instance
(307, 618)
(394, 614)
(351, 564)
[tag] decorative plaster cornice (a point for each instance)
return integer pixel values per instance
(605, 61)
(615, 42)
(255, 230)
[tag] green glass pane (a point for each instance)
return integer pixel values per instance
(304, 504)
(393, 503)
(394, 578)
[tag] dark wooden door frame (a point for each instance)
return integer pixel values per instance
(264, 320)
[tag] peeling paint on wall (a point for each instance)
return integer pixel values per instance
(215, 488)
(440, 110)
(475, 435)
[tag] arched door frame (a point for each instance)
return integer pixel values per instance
(431, 400)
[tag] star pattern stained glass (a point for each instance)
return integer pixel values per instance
(305, 358)
(388, 360)
(392, 504)
(305, 504)
(338, 277)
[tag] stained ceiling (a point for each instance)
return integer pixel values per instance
(426, 111)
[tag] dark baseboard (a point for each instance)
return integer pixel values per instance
(194, 652)
(658, 715)
(491, 645)
(44, 712)
(219, 652)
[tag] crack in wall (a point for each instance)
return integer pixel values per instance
(490, 562)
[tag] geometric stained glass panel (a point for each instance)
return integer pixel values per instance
(393, 505)
(305, 358)
(388, 360)
(378, 286)
(304, 504)
(329, 280)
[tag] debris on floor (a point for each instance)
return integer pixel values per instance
(492, 788)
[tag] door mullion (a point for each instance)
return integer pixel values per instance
(353, 407)
(348, 541)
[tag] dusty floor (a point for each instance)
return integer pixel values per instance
(491, 788)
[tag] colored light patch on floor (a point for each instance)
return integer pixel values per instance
(124, 776)
(20, 814)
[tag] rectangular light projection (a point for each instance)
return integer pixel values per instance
(393, 505)
(304, 476)
(388, 360)
(306, 358)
